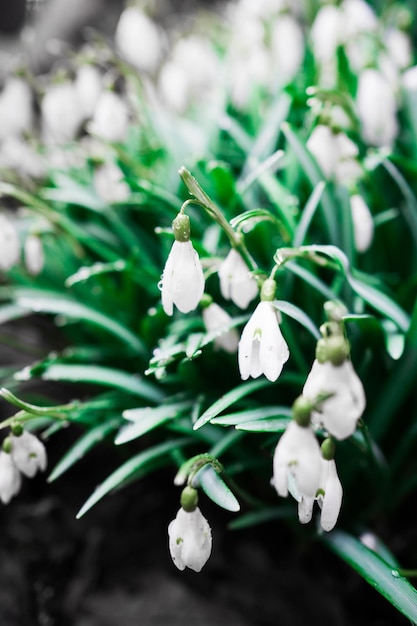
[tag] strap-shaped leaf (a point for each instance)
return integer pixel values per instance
(147, 418)
(216, 489)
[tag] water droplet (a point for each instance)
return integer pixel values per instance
(395, 573)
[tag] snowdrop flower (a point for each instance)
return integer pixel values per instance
(409, 79)
(28, 453)
(10, 478)
(217, 319)
(339, 413)
(33, 254)
(376, 109)
(111, 117)
(9, 244)
(19, 155)
(61, 116)
(109, 183)
(262, 348)
(182, 281)
(287, 42)
(189, 534)
(363, 225)
(138, 39)
(88, 85)
(325, 33)
(16, 108)
(236, 283)
(335, 153)
(329, 497)
(297, 461)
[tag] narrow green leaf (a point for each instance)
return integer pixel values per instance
(250, 415)
(265, 426)
(83, 445)
(216, 489)
(145, 419)
(410, 209)
(140, 461)
(379, 574)
(261, 516)
(96, 374)
(297, 314)
(42, 301)
(308, 214)
(9, 312)
(228, 399)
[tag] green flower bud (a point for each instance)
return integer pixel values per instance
(337, 349)
(189, 499)
(301, 410)
(181, 227)
(206, 300)
(328, 449)
(17, 429)
(7, 445)
(268, 290)
(321, 350)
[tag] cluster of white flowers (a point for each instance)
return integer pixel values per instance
(332, 402)
(22, 453)
(11, 247)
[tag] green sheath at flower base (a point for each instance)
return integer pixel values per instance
(334, 349)
(181, 227)
(328, 449)
(17, 429)
(7, 445)
(189, 499)
(268, 290)
(301, 411)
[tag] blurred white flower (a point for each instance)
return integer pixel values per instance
(325, 33)
(262, 348)
(28, 453)
(110, 118)
(9, 244)
(329, 497)
(409, 79)
(297, 461)
(399, 47)
(335, 153)
(236, 282)
(377, 109)
(182, 281)
(61, 116)
(33, 254)
(138, 39)
(16, 108)
(338, 414)
(10, 478)
(19, 155)
(363, 224)
(217, 319)
(88, 87)
(287, 46)
(190, 540)
(109, 183)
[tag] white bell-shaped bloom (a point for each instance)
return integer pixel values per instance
(409, 79)
(236, 282)
(262, 348)
(28, 454)
(109, 183)
(363, 224)
(217, 319)
(287, 44)
(399, 47)
(9, 244)
(338, 414)
(88, 86)
(138, 39)
(297, 461)
(182, 281)
(377, 109)
(61, 115)
(329, 498)
(19, 155)
(190, 540)
(325, 33)
(358, 17)
(10, 478)
(335, 153)
(111, 117)
(33, 254)
(16, 108)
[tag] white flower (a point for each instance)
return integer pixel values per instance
(325, 33)
(409, 79)
(262, 348)
(339, 414)
(61, 115)
(10, 478)
(138, 39)
(287, 40)
(111, 117)
(376, 109)
(88, 85)
(236, 283)
(297, 460)
(217, 319)
(9, 244)
(335, 153)
(329, 497)
(363, 225)
(109, 183)
(33, 254)
(28, 454)
(19, 155)
(189, 540)
(16, 108)
(182, 280)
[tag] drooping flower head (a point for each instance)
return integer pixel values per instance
(182, 281)
(217, 319)
(262, 348)
(236, 282)
(28, 453)
(10, 477)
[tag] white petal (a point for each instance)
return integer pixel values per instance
(273, 347)
(188, 278)
(10, 478)
(332, 499)
(29, 454)
(190, 540)
(305, 509)
(236, 282)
